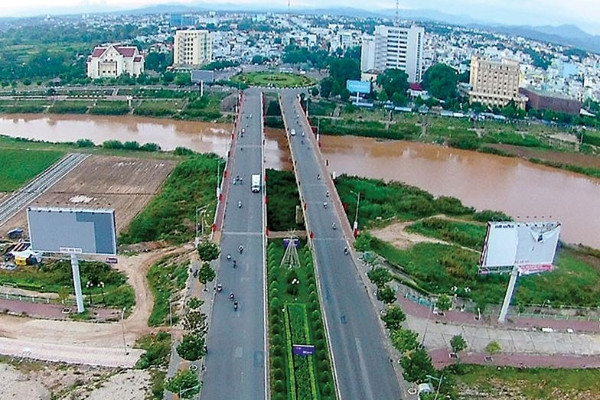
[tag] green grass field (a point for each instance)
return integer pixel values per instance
(529, 383)
(271, 79)
(20, 166)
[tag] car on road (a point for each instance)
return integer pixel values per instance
(293, 132)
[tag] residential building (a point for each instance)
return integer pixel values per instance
(114, 60)
(394, 47)
(193, 48)
(495, 83)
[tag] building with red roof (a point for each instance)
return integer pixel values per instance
(114, 60)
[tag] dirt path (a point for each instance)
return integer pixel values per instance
(87, 343)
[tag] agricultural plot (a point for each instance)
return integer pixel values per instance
(19, 166)
(124, 184)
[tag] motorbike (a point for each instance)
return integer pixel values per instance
(345, 250)
(231, 296)
(325, 204)
(333, 226)
(234, 264)
(235, 305)
(327, 194)
(239, 204)
(228, 257)
(241, 249)
(219, 287)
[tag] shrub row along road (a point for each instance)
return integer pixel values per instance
(362, 365)
(39, 185)
(236, 362)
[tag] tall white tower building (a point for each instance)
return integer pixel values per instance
(394, 47)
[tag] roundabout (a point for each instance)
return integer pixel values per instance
(274, 79)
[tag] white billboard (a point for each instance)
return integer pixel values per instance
(71, 230)
(528, 245)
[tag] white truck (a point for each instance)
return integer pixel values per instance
(255, 183)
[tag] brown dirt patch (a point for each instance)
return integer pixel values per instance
(123, 184)
(399, 237)
(582, 160)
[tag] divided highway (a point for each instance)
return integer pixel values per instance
(236, 363)
(39, 185)
(362, 364)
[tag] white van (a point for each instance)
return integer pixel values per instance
(255, 183)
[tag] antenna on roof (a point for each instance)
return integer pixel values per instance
(397, 18)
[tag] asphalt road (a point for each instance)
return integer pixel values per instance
(236, 363)
(362, 364)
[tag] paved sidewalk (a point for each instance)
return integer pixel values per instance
(522, 341)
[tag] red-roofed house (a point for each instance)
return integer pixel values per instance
(114, 60)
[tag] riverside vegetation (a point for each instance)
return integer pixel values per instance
(435, 268)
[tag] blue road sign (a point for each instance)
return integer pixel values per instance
(303, 349)
(358, 86)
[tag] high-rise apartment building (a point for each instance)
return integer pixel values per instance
(394, 47)
(495, 83)
(192, 48)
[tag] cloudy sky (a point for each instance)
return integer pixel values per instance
(584, 13)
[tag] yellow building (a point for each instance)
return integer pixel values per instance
(495, 83)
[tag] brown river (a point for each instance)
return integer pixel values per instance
(524, 190)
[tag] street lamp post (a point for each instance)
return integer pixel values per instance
(355, 227)
(181, 392)
(439, 380)
(201, 211)
(123, 330)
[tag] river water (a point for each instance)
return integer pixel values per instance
(521, 189)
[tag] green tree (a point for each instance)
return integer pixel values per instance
(341, 70)
(191, 347)
(195, 322)
(185, 382)
(393, 81)
(444, 302)
(393, 318)
(440, 80)
(380, 276)
(386, 294)
(208, 251)
(492, 348)
(326, 86)
(183, 79)
(206, 274)
(405, 340)
(382, 96)
(363, 242)
(458, 343)
(417, 365)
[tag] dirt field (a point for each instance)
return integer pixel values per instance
(124, 184)
(39, 381)
(82, 342)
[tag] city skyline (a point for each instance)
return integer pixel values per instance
(581, 13)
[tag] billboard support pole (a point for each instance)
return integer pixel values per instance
(77, 283)
(509, 294)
